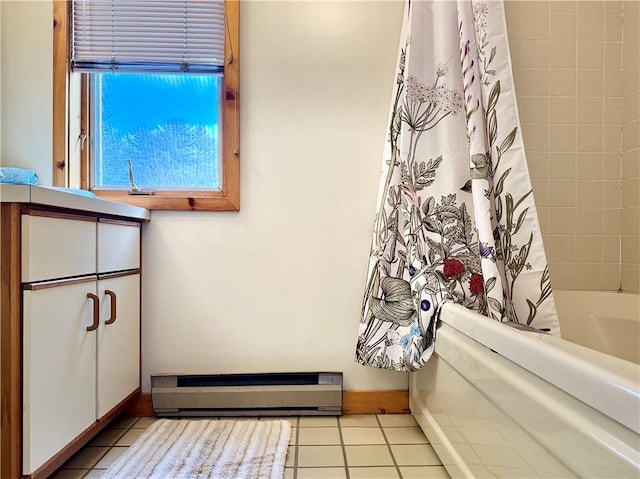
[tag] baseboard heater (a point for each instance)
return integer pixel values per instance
(265, 394)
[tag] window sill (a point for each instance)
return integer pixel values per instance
(175, 200)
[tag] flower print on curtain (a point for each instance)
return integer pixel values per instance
(456, 218)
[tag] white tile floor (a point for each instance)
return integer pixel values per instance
(349, 447)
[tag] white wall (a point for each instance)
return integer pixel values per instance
(277, 286)
(26, 85)
(1, 54)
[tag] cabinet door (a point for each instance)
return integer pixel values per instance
(59, 369)
(118, 342)
(118, 246)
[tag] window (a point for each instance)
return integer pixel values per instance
(166, 124)
(168, 115)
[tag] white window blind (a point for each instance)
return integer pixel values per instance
(148, 35)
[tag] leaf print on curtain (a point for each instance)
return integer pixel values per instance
(456, 218)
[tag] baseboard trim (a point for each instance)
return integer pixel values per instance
(353, 402)
(375, 402)
(141, 406)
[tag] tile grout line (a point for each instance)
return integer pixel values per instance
(386, 440)
(344, 449)
(295, 457)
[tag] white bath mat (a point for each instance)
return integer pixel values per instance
(190, 449)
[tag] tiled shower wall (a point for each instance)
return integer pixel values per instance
(630, 229)
(573, 64)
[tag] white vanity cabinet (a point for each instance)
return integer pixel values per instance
(69, 324)
(81, 317)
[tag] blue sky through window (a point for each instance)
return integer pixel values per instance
(167, 124)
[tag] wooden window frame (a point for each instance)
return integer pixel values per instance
(67, 150)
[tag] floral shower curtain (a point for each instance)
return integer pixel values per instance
(456, 218)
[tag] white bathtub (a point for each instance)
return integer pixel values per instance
(496, 401)
(605, 321)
